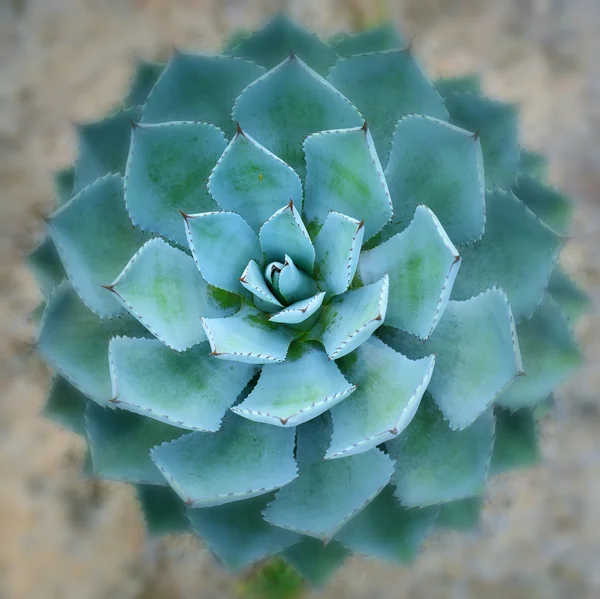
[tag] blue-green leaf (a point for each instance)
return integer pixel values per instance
(441, 166)
(103, 147)
(120, 444)
(95, 239)
(384, 36)
(337, 248)
(167, 172)
(463, 83)
(280, 36)
(315, 561)
(386, 530)
(45, 265)
(466, 382)
(248, 336)
(301, 388)
(288, 103)
(435, 464)
(343, 173)
(350, 319)
(253, 182)
(569, 296)
(422, 264)
(66, 405)
(518, 253)
(196, 87)
(550, 356)
(221, 244)
(163, 511)
(294, 284)
(189, 390)
(299, 312)
(142, 82)
(534, 164)
(463, 514)
(64, 183)
(496, 124)
(386, 86)
(244, 460)
(237, 533)
(390, 387)
(163, 289)
(253, 280)
(74, 341)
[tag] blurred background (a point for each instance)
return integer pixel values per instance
(64, 61)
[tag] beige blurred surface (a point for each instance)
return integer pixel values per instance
(69, 60)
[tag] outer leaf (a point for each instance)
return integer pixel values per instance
(518, 253)
(569, 296)
(221, 244)
(45, 265)
(74, 341)
(248, 336)
(189, 390)
(244, 460)
(237, 533)
(328, 493)
(390, 387)
(422, 264)
(301, 388)
(120, 444)
(337, 248)
(194, 87)
(315, 561)
(435, 464)
(441, 166)
(103, 147)
(343, 173)
(95, 239)
(253, 182)
(463, 83)
(386, 86)
(294, 284)
(66, 405)
(288, 103)
(350, 319)
(144, 78)
(163, 511)
(463, 514)
(285, 233)
(466, 382)
(162, 288)
(301, 311)
(64, 182)
(381, 37)
(534, 164)
(167, 171)
(280, 36)
(550, 356)
(253, 280)
(496, 124)
(384, 529)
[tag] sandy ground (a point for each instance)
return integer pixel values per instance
(69, 60)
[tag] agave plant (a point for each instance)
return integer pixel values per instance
(305, 299)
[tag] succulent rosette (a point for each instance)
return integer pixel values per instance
(305, 299)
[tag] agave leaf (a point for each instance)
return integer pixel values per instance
(301, 388)
(350, 319)
(189, 390)
(533, 164)
(385, 529)
(466, 382)
(463, 514)
(441, 166)
(384, 36)
(95, 239)
(496, 125)
(253, 280)
(516, 443)
(46, 267)
(386, 86)
(120, 444)
(284, 233)
(248, 336)
(435, 464)
(237, 533)
(280, 36)
(66, 405)
(167, 171)
(64, 183)
(288, 103)
(337, 248)
(253, 182)
(315, 561)
(103, 147)
(550, 356)
(221, 244)
(390, 387)
(463, 83)
(299, 312)
(244, 460)
(328, 493)
(195, 87)
(422, 264)
(294, 284)
(569, 296)
(550, 205)
(163, 511)
(163, 289)
(518, 253)
(144, 77)
(74, 341)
